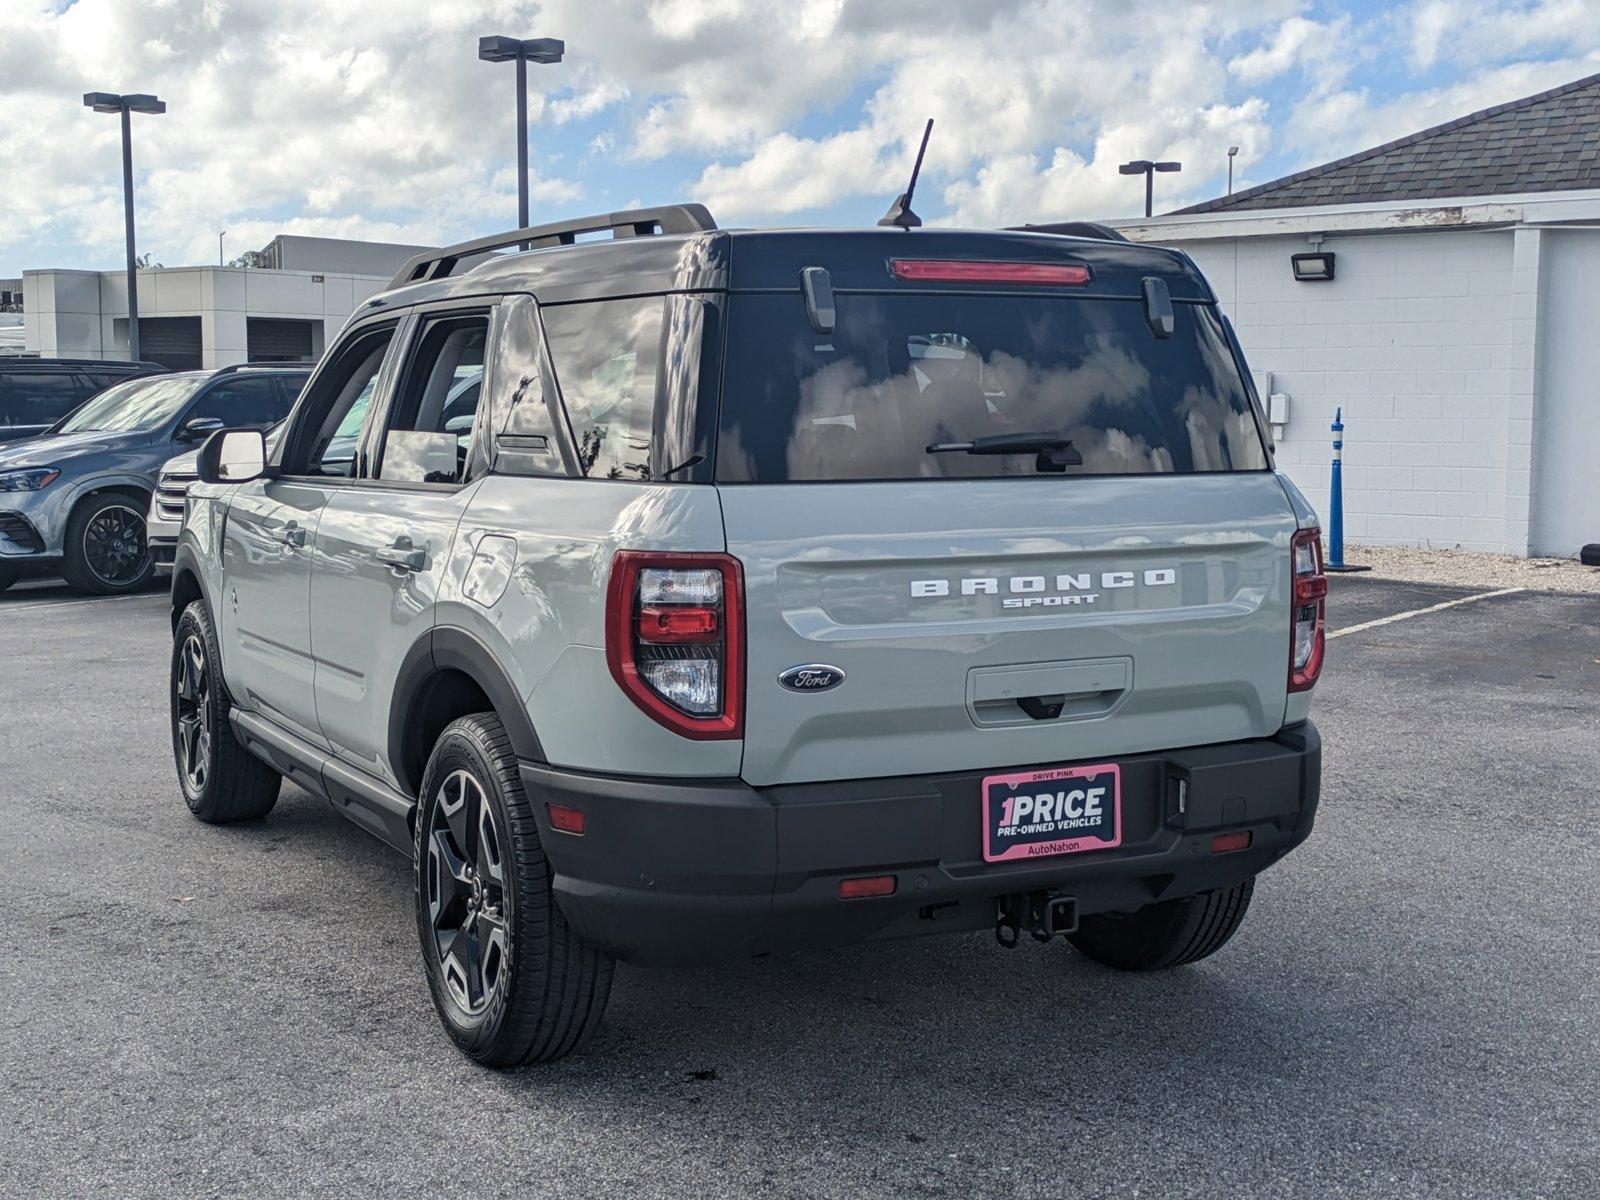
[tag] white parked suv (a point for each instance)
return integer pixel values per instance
(765, 589)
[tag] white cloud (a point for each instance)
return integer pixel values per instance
(374, 118)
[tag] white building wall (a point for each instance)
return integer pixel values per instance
(83, 314)
(1424, 342)
(1566, 510)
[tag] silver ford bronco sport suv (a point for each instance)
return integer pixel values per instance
(781, 589)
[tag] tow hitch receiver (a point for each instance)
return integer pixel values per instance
(1042, 914)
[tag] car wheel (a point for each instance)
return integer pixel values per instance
(105, 550)
(221, 780)
(512, 982)
(1168, 934)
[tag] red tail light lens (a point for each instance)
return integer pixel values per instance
(1308, 610)
(675, 639)
(939, 270)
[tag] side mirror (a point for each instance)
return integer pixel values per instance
(233, 456)
(198, 429)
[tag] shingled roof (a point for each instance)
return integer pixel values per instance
(1544, 143)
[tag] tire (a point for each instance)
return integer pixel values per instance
(1168, 934)
(513, 984)
(104, 549)
(222, 782)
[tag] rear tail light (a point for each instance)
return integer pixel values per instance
(939, 270)
(675, 639)
(1307, 613)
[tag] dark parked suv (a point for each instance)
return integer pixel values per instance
(74, 501)
(35, 393)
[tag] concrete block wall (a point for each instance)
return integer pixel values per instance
(1427, 343)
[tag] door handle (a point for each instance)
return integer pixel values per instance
(293, 535)
(403, 556)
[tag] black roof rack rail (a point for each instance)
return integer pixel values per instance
(637, 222)
(265, 366)
(1083, 229)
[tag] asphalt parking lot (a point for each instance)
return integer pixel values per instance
(1410, 1009)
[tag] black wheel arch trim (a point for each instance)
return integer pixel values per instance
(451, 648)
(185, 563)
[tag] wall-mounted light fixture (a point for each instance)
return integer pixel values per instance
(1315, 267)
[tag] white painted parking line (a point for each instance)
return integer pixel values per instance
(12, 608)
(1418, 612)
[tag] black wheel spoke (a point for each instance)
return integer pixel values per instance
(192, 714)
(114, 546)
(466, 891)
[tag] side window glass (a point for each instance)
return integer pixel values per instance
(328, 428)
(243, 403)
(526, 442)
(607, 356)
(42, 398)
(431, 420)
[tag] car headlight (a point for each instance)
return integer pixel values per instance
(30, 480)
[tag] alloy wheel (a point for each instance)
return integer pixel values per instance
(114, 547)
(467, 893)
(194, 713)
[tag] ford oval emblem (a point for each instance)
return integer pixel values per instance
(811, 677)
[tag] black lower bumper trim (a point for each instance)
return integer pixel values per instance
(696, 871)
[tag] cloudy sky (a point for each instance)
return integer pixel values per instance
(374, 118)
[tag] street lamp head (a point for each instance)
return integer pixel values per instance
(1166, 166)
(1232, 150)
(110, 102)
(1137, 167)
(509, 49)
(499, 49)
(544, 50)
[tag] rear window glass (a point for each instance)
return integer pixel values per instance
(903, 372)
(606, 356)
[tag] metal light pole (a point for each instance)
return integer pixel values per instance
(1143, 166)
(222, 233)
(110, 102)
(522, 51)
(1232, 150)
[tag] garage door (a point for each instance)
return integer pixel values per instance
(270, 339)
(171, 341)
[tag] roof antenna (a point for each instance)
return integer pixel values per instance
(900, 211)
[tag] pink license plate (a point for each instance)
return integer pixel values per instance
(1041, 814)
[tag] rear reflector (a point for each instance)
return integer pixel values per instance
(940, 270)
(567, 820)
(868, 885)
(1225, 843)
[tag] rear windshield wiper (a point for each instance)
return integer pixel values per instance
(1055, 451)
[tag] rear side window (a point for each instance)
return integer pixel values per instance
(903, 372)
(244, 402)
(40, 397)
(607, 355)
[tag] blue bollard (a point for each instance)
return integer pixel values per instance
(1336, 494)
(1336, 500)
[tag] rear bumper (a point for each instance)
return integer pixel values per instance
(687, 872)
